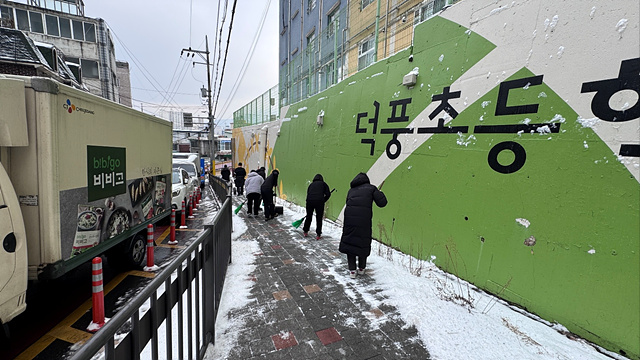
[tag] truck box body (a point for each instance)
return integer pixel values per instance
(87, 172)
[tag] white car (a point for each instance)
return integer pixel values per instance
(181, 188)
(191, 169)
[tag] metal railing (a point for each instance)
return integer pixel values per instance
(205, 260)
(262, 109)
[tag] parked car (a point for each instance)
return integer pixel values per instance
(181, 188)
(191, 169)
(196, 160)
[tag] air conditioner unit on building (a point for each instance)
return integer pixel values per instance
(410, 79)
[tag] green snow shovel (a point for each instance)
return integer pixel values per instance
(296, 224)
(237, 210)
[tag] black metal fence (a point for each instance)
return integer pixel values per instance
(220, 187)
(198, 275)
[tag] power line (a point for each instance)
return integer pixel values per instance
(136, 62)
(174, 73)
(226, 52)
(219, 42)
(175, 86)
(151, 90)
(247, 59)
(150, 104)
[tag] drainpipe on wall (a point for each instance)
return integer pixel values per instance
(335, 52)
(386, 29)
(289, 80)
(375, 48)
(345, 66)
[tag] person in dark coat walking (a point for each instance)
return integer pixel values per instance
(262, 172)
(225, 173)
(239, 174)
(356, 232)
(267, 190)
(317, 194)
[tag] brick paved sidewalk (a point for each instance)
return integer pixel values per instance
(304, 305)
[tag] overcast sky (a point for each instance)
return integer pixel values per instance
(150, 35)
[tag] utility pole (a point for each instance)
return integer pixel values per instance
(208, 65)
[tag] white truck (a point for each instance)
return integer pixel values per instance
(80, 176)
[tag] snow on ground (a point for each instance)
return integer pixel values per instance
(455, 320)
(237, 288)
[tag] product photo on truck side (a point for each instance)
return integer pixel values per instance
(80, 176)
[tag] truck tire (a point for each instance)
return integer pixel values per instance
(130, 254)
(136, 250)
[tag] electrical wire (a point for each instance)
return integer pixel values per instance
(151, 90)
(219, 43)
(247, 59)
(226, 52)
(139, 65)
(183, 72)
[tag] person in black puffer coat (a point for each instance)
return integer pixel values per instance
(267, 194)
(262, 172)
(317, 194)
(225, 173)
(239, 174)
(356, 232)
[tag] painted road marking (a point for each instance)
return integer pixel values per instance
(63, 331)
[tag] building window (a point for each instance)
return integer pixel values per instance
(6, 17)
(311, 4)
(89, 69)
(365, 3)
(310, 41)
(52, 25)
(90, 32)
(311, 37)
(429, 9)
(365, 53)
(36, 22)
(73, 60)
(78, 31)
(333, 22)
(23, 20)
(65, 28)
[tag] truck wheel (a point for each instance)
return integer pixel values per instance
(136, 250)
(130, 254)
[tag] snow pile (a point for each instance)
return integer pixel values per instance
(237, 288)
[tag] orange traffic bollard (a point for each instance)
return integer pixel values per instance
(98, 295)
(150, 260)
(195, 200)
(191, 207)
(172, 237)
(183, 222)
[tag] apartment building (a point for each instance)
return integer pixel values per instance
(86, 42)
(323, 42)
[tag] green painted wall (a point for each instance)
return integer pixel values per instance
(583, 204)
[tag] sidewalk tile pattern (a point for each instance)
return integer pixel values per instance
(299, 310)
